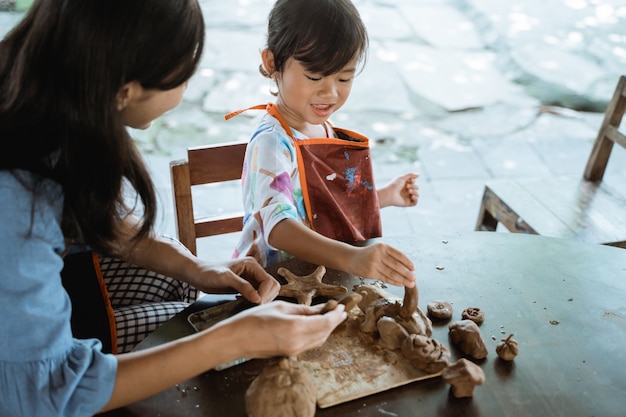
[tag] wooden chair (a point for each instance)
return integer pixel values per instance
(587, 209)
(205, 165)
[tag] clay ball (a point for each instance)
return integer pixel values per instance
(467, 335)
(440, 310)
(507, 349)
(282, 389)
(474, 314)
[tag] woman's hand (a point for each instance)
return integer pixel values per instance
(282, 329)
(401, 192)
(245, 276)
(169, 257)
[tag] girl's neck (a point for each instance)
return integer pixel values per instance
(316, 131)
(307, 129)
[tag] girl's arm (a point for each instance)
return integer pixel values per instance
(377, 261)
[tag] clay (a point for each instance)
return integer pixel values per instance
(474, 314)
(392, 334)
(507, 348)
(409, 303)
(467, 335)
(425, 353)
(373, 313)
(463, 375)
(282, 389)
(350, 301)
(439, 310)
(402, 326)
(305, 288)
(376, 303)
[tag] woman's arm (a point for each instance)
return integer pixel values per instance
(171, 259)
(277, 329)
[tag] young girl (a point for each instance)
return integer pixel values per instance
(73, 73)
(308, 186)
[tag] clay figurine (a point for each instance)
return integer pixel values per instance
(282, 389)
(474, 314)
(439, 310)
(507, 348)
(307, 287)
(467, 335)
(425, 353)
(463, 375)
(377, 303)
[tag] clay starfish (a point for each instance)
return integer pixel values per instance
(305, 288)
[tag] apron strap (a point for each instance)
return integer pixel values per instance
(271, 108)
(238, 112)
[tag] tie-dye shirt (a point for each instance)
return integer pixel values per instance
(271, 190)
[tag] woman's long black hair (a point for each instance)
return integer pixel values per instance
(61, 69)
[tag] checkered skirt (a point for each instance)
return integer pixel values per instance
(142, 300)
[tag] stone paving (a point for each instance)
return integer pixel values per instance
(460, 91)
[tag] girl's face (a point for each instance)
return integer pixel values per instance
(306, 100)
(139, 107)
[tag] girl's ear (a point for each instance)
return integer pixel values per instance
(267, 58)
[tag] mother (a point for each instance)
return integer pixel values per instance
(73, 75)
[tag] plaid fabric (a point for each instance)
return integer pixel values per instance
(142, 299)
(135, 322)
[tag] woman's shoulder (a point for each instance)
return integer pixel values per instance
(21, 181)
(16, 186)
(23, 189)
(36, 206)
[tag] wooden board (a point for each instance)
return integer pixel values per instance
(351, 365)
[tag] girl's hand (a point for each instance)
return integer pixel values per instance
(383, 262)
(245, 276)
(401, 192)
(282, 329)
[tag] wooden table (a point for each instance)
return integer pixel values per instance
(565, 301)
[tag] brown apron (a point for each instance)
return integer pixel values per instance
(337, 182)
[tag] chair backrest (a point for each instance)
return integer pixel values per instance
(608, 134)
(205, 165)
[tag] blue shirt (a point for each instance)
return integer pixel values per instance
(44, 371)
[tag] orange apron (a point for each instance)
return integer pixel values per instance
(337, 182)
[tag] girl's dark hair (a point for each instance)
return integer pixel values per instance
(324, 35)
(61, 68)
